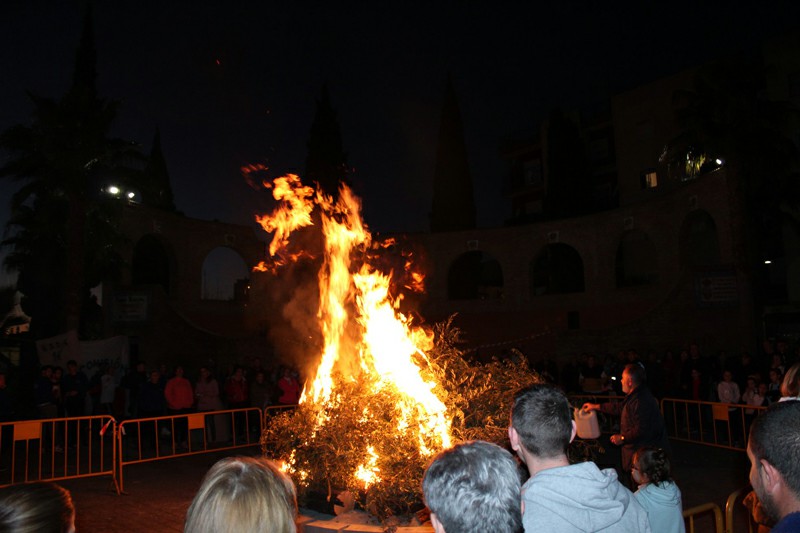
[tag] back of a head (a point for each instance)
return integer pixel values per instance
(654, 463)
(474, 487)
(775, 437)
(542, 417)
(790, 386)
(243, 494)
(36, 508)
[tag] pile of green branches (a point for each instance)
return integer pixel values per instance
(325, 457)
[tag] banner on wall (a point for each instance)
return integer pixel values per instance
(90, 355)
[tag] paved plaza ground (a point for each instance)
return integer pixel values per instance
(158, 493)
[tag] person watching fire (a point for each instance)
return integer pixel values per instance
(560, 497)
(774, 450)
(473, 487)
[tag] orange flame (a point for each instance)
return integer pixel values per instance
(352, 292)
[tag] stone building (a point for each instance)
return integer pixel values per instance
(185, 298)
(656, 261)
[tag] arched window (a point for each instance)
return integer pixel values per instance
(637, 260)
(150, 264)
(225, 276)
(475, 275)
(558, 269)
(699, 240)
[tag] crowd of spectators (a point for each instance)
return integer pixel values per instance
(752, 379)
(142, 393)
(473, 486)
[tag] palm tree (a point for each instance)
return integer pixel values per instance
(62, 227)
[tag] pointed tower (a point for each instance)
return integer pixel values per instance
(157, 191)
(85, 73)
(453, 200)
(326, 162)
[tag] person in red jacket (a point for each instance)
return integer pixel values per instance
(180, 400)
(290, 388)
(236, 390)
(237, 394)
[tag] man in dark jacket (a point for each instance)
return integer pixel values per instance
(641, 423)
(74, 386)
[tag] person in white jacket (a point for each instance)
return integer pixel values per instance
(657, 493)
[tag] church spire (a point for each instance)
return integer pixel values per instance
(453, 205)
(326, 162)
(85, 74)
(158, 191)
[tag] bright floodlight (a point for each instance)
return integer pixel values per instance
(767, 262)
(113, 189)
(719, 161)
(131, 195)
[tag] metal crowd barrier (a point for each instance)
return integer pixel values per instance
(55, 449)
(735, 510)
(690, 515)
(724, 425)
(166, 437)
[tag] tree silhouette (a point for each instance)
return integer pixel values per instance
(62, 225)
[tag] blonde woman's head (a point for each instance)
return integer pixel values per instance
(243, 494)
(790, 386)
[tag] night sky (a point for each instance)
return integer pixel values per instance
(231, 83)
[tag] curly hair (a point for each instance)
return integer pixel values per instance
(654, 463)
(474, 487)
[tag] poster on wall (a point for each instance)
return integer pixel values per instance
(130, 307)
(90, 355)
(716, 289)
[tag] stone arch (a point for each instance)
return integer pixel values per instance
(636, 260)
(475, 275)
(699, 243)
(150, 264)
(557, 269)
(225, 276)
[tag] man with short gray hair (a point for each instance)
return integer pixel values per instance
(473, 487)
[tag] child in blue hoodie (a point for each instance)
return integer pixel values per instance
(657, 493)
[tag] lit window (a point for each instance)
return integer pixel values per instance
(649, 179)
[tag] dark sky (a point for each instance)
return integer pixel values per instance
(235, 82)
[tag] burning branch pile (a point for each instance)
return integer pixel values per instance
(386, 394)
(328, 460)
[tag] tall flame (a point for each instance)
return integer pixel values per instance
(353, 294)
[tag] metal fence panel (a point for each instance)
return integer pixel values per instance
(57, 448)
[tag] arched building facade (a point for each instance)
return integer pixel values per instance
(185, 296)
(655, 274)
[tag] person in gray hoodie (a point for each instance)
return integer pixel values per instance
(657, 493)
(559, 497)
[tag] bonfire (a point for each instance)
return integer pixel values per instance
(387, 393)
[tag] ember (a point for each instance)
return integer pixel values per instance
(384, 397)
